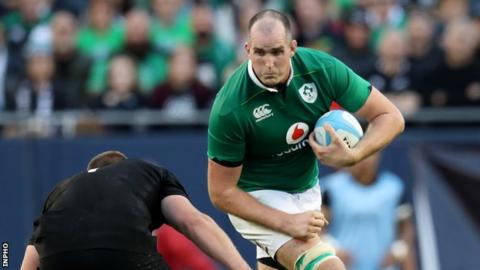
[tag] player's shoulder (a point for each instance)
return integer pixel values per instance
(233, 93)
(142, 164)
(309, 52)
(308, 59)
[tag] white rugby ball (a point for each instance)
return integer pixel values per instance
(345, 125)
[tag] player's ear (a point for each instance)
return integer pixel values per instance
(247, 47)
(293, 47)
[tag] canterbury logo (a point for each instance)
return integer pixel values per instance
(262, 112)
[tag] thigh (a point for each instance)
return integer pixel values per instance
(94, 259)
(269, 241)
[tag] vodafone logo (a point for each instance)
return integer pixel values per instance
(297, 132)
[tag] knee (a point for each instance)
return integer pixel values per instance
(319, 257)
(333, 263)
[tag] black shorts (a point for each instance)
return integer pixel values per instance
(102, 259)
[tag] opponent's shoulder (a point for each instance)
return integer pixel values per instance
(144, 164)
(59, 189)
(310, 60)
(233, 93)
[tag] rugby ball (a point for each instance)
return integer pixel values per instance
(345, 125)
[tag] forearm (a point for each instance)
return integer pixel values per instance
(241, 204)
(381, 131)
(225, 195)
(211, 239)
(31, 259)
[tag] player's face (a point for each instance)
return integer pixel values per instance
(270, 54)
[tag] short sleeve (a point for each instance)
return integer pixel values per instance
(33, 237)
(171, 185)
(226, 139)
(349, 89)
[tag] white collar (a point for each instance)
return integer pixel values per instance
(254, 78)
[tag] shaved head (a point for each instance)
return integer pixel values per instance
(265, 22)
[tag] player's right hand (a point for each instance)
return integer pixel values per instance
(305, 225)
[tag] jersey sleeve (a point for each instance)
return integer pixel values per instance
(226, 139)
(170, 184)
(348, 89)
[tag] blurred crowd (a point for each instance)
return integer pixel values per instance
(175, 54)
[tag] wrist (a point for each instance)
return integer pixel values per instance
(283, 223)
(356, 155)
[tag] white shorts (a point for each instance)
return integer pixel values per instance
(267, 240)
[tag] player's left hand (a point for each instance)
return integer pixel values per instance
(336, 154)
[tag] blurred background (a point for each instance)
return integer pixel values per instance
(79, 77)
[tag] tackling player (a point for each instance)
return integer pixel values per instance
(103, 219)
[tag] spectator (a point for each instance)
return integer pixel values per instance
(385, 15)
(121, 93)
(19, 23)
(171, 25)
(354, 50)
(315, 30)
(456, 81)
(38, 92)
(370, 219)
(452, 10)
(72, 6)
(71, 67)
(152, 65)
(213, 54)
(182, 94)
(99, 40)
(392, 72)
(423, 52)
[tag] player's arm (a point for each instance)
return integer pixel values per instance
(31, 259)
(385, 123)
(225, 195)
(202, 230)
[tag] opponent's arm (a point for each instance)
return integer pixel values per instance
(31, 259)
(385, 123)
(202, 230)
(225, 195)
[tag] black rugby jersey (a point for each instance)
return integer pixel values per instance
(114, 207)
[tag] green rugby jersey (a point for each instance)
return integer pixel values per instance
(267, 130)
